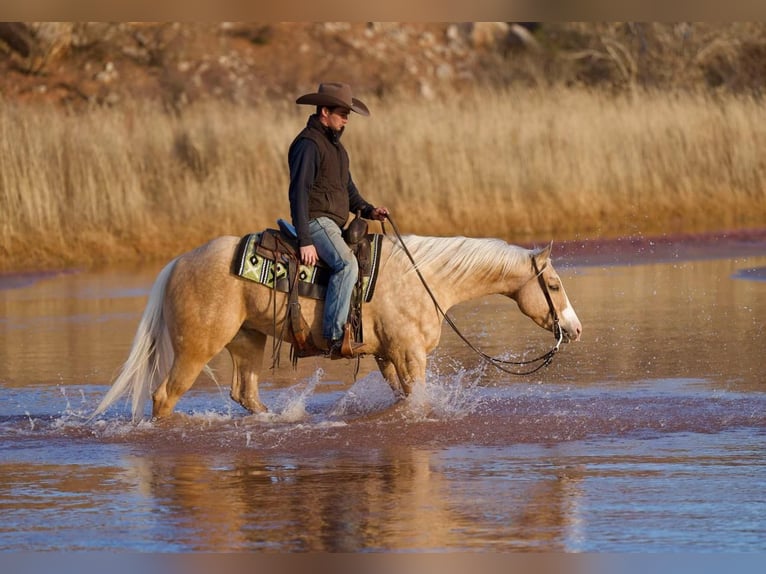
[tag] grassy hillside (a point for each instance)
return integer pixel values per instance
(522, 164)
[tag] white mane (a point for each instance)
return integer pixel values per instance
(442, 256)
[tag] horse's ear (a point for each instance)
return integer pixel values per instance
(544, 254)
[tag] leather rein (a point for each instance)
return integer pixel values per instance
(544, 360)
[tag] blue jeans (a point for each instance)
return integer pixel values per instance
(334, 251)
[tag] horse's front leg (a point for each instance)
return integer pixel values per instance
(388, 370)
(410, 365)
(246, 350)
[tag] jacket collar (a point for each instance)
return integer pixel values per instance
(330, 134)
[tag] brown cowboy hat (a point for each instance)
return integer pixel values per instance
(334, 94)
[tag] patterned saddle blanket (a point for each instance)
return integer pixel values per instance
(264, 258)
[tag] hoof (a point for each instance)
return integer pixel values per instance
(254, 407)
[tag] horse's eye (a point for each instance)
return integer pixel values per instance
(554, 286)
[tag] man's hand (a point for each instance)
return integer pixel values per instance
(379, 213)
(309, 255)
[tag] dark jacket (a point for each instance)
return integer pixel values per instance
(320, 180)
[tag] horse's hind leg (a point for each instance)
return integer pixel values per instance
(203, 310)
(246, 351)
(180, 378)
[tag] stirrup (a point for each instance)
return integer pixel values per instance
(349, 348)
(345, 348)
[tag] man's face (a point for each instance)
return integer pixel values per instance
(335, 118)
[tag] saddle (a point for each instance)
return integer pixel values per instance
(278, 256)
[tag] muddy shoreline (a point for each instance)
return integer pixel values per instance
(658, 249)
(629, 250)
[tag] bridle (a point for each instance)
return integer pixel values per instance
(544, 360)
(544, 286)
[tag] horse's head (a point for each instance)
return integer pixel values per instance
(543, 299)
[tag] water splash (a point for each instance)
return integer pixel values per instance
(446, 396)
(368, 395)
(31, 420)
(290, 406)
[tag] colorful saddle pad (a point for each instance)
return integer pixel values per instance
(253, 264)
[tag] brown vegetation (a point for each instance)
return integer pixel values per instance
(567, 131)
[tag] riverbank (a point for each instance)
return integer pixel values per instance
(587, 252)
(636, 250)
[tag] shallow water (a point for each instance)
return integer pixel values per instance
(646, 436)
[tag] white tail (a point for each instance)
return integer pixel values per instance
(150, 357)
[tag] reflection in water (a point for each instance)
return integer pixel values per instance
(659, 493)
(392, 500)
(645, 436)
(385, 501)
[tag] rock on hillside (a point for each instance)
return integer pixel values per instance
(81, 64)
(107, 63)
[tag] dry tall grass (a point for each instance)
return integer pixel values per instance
(122, 184)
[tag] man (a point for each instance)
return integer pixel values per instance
(322, 193)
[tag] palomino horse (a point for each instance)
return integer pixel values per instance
(197, 307)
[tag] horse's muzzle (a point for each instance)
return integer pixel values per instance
(571, 335)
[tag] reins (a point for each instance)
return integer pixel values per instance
(544, 359)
